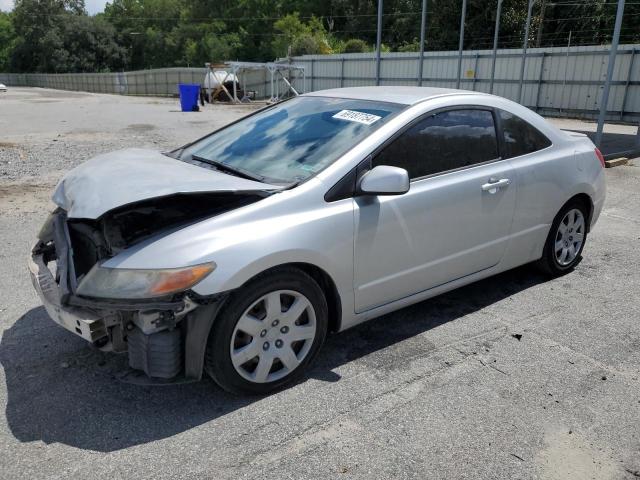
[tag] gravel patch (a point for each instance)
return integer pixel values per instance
(52, 157)
(45, 140)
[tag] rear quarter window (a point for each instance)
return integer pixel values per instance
(520, 137)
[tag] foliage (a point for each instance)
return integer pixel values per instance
(355, 45)
(303, 38)
(7, 40)
(59, 36)
(413, 46)
(305, 45)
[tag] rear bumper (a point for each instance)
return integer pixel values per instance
(599, 197)
(83, 322)
(597, 210)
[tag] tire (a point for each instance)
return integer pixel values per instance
(562, 250)
(252, 335)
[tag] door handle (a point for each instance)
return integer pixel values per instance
(493, 185)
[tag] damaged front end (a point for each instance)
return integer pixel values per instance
(151, 314)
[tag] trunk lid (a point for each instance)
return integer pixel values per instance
(127, 176)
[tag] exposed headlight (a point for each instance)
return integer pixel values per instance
(138, 283)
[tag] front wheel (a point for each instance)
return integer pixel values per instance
(568, 234)
(268, 332)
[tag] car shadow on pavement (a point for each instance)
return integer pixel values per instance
(61, 389)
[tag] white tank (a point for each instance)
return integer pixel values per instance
(214, 79)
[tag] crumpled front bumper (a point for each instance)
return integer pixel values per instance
(85, 323)
(163, 337)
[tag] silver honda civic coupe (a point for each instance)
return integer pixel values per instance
(236, 254)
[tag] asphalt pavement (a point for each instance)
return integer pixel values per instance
(516, 376)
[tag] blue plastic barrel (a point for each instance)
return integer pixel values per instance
(189, 94)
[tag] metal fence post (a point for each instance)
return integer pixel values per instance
(495, 45)
(378, 42)
(313, 76)
(475, 72)
(461, 41)
(423, 26)
(544, 55)
(626, 85)
(342, 72)
(524, 50)
(273, 97)
(612, 63)
(566, 69)
(235, 92)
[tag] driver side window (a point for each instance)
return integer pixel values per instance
(443, 141)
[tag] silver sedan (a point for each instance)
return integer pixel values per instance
(236, 254)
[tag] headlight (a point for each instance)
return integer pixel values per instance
(138, 283)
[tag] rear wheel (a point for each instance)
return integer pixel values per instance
(268, 332)
(568, 234)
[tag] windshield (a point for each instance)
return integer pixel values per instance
(293, 140)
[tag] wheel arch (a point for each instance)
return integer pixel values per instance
(324, 280)
(200, 322)
(328, 286)
(587, 201)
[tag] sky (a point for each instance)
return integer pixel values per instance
(92, 6)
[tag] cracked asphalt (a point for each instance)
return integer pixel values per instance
(516, 376)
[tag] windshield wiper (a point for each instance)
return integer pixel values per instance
(228, 169)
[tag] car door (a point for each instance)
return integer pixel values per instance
(454, 221)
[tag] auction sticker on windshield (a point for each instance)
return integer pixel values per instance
(359, 117)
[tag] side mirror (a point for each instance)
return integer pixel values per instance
(384, 180)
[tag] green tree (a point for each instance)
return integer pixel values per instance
(303, 38)
(58, 35)
(38, 24)
(145, 28)
(288, 29)
(413, 46)
(305, 45)
(355, 45)
(7, 40)
(90, 46)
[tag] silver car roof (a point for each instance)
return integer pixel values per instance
(394, 94)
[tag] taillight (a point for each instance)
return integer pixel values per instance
(600, 157)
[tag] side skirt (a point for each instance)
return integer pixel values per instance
(424, 295)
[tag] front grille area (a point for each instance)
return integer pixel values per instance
(87, 246)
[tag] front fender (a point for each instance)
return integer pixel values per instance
(320, 234)
(228, 277)
(198, 326)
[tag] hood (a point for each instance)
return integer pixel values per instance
(126, 176)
